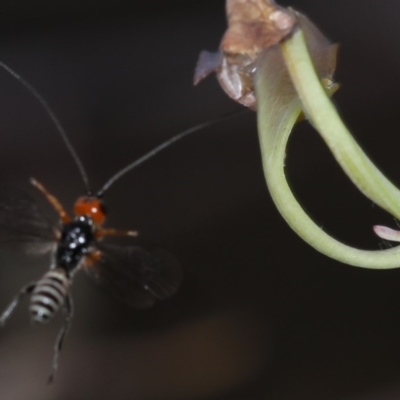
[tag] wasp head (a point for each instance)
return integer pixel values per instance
(91, 207)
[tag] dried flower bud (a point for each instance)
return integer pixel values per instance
(253, 26)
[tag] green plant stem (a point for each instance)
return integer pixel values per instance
(324, 116)
(276, 119)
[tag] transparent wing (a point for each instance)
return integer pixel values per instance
(21, 223)
(137, 275)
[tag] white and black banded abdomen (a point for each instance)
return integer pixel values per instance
(48, 295)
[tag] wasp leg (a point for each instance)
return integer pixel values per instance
(9, 310)
(92, 258)
(100, 233)
(65, 218)
(69, 312)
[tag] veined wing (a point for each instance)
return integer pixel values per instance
(137, 275)
(22, 225)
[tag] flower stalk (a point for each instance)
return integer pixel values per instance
(282, 94)
(275, 61)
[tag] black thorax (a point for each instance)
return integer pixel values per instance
(74, 243)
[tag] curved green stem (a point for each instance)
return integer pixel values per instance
(279, 107)
(324, 116)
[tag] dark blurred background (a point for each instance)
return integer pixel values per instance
(260, 315)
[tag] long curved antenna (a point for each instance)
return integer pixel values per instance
(163, 146)
(55, 120)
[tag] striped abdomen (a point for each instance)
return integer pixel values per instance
(48, 295)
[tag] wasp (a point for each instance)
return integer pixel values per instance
(137, 275)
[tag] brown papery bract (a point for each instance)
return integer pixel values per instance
(253, 26)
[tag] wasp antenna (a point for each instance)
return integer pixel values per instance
(55, 120)
(164, 145)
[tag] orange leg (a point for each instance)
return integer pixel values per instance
(65, 218)
(92, 258)
(100, 233)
